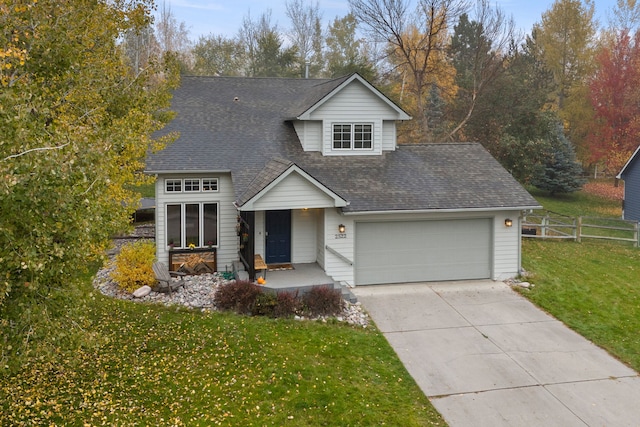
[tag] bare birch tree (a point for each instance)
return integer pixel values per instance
(479, 55)
(306, 32)
(415, 39)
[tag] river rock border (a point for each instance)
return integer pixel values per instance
(198, 292)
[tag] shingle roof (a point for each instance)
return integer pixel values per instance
(242, 125)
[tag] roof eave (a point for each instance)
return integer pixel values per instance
(450, 210)
(190, 171)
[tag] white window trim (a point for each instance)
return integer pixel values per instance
(191, 182)
(183, 188)
(214, 180)
(173, 182)
(183, 228)
(352, 141)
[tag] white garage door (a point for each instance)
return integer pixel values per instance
(395, 252)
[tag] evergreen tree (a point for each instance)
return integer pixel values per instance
(559, 172)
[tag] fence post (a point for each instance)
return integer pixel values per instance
(543, 225)
(635, 234)
(578, 231)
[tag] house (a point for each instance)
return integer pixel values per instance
(309, 171)
(630, 173)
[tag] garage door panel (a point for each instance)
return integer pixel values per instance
(395, 252)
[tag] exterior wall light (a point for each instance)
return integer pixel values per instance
(342, 228)
(508, 222)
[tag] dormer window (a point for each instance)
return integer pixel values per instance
(352, 136)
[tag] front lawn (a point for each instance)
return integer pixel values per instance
(592, 201)
(152, 365)
(592, 286)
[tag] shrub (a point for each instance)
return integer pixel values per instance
(322, 301)
(265, 304)
(133, 265)
(287, 304)
(239, 296)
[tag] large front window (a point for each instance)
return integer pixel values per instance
(192, 224)
(352, 136)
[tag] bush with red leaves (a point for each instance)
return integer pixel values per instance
(322, 301)
(239, 296)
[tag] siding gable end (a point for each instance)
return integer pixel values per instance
(294, 190)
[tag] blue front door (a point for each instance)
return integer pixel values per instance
(278, 237)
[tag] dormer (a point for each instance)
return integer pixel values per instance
(352, 119)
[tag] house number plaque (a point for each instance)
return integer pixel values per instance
(340, 236)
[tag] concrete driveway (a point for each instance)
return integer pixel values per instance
(485, 356)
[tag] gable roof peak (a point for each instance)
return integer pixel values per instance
(627, 165)
(336, 85)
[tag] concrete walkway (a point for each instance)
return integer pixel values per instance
(485, 356)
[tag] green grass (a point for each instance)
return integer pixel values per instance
(152, 365)
(591, 286)
(145, 190)
(597, 213)
(578, 204)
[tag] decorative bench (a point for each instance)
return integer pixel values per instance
(259, 265)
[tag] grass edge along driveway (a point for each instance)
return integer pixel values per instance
(593, 288)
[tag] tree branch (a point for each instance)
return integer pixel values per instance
(13, 156)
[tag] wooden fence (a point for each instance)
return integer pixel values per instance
(551, 225)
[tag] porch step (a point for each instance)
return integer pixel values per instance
(346, 292)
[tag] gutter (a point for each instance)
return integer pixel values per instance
(457, 210)
(170, 171)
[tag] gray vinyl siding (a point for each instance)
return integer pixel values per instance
(303, 235)
(388, 135)
(354, 104)
(631, 178)
(293, 192)
(321, 238)
(310, 134)
(259, 239)
(506, 246)
(337, 268)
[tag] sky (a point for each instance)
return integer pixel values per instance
(205, 17)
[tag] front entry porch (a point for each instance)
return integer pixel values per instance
(303, 277)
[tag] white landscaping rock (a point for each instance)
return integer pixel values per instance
(142, 292)
(198, 291)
